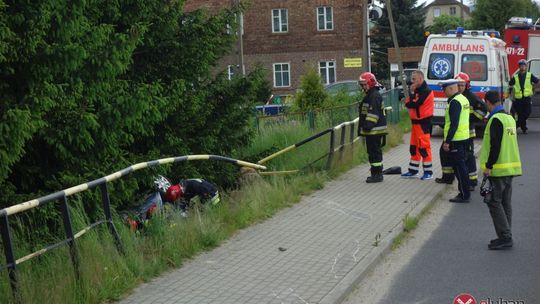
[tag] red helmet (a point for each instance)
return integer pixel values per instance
(463, 77)
(173, 193)
(369, 79)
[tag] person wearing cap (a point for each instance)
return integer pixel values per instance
(420, 105)
(523, 84)
(500, 162)
(456, 137)
(372, 124)
(478, 111)
(188, 189)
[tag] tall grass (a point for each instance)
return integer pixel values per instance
(169, 240)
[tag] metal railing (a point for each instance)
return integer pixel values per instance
(325, 117)
(344, 130)
(62, 195)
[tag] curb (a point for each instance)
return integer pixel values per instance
(360, 271)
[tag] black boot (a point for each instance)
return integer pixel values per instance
(446, 178)
(376, 175)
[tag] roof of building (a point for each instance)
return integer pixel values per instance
(408, 54)
(448, 2)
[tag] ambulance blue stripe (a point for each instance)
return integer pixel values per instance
(474, 89)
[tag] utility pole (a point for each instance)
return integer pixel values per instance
(396, 46)
(366, 66)
(462, 21)
(240, 32)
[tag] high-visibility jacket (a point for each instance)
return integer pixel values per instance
(523, 92)
(462, 132)
(508, 163)
(372, 114)
(421, 104)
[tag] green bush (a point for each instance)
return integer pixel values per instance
(89, 88)
(312, 94)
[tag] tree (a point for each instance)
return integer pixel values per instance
(89, 87)
(444, 23)
(312, 94)
(493, 14)
(409, 20)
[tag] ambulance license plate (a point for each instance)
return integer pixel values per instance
(440, 105)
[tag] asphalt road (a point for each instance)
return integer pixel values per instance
(456, 260)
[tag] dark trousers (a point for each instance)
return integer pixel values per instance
(522, 107)
(500, 206)
(471, 163)
(374, 150)
(456, 157)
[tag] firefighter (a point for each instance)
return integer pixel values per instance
(372, 124)
(522, 85)
(420, 105)
(189, 189)
(456, 138)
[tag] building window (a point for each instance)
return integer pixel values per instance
(325, 19)
(453, 10)
(230, 71)
(280, 23)
(282, 75)
(327, 69)
(436, 12)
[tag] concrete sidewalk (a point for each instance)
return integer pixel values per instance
(313, 252)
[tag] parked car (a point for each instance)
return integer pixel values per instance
(350, 87)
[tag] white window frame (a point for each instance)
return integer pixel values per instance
(280, 20)
(328, 18)
(282, 71)
(436, 12)
(453, 11)
(230, 71)
(327, 67)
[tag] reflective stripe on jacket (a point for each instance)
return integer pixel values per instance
(508, 163)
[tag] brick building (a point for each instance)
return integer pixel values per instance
(288, 36)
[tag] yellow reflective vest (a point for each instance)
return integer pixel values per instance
(462, 132)
(523, 92)
(508, 163)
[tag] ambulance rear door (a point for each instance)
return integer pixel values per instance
(478, 59)
(439, 63)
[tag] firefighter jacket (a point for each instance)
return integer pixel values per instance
(372, 114)
(421, 104)
(477, 107)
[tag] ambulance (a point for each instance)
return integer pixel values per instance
(480, 54)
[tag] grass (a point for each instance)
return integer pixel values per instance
(411, 222)
(169, 240)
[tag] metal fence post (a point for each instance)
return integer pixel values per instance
(351, 138)
(342, 141)
(108, 215)
(311, 120)
(68, 228)
(331, 152)
(10, 257)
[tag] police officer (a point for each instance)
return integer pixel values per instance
(456, 137)
(500, 162)
(478, 111)
(420, 105)
(522, 84)
(372, 124)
